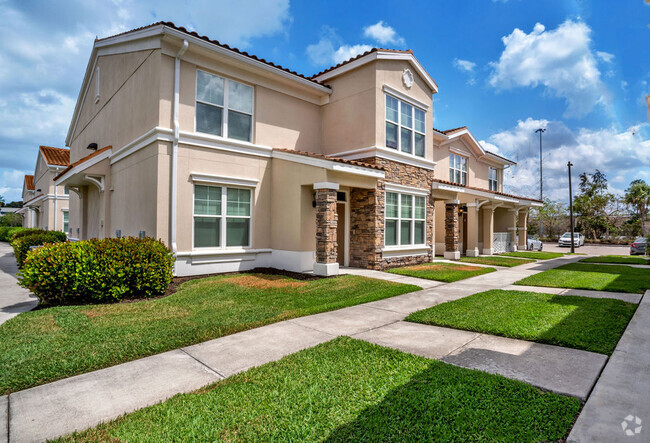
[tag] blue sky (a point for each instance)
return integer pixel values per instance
(580, 69)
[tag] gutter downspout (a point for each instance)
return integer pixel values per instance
(174, 165)
(56, 200)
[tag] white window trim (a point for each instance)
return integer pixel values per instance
(399, 126)
(224, 107)
(495, 180)
(462, 173)
(224, 183)
(399, 220)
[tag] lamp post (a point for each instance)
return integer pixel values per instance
(541, 186)
(573, 248)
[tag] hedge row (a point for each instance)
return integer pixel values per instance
(24, 240)
(6, 232)
(106, 270)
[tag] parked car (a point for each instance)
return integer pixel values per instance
(638, 246)
(534, 244)
(565, 240)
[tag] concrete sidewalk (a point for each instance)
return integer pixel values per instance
(13, 298)
(83, 401)
(618, 409)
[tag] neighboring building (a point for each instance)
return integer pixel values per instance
(7, 210)
(237, 163)
(45, 205)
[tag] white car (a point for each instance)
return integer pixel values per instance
(565, 240)
(534, 244)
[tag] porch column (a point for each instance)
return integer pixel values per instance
(488, 230)
(326, 224)
(523, 230)
(451, 230)
(472, 230)
(512, 227)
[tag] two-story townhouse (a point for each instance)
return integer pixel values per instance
(45, 204)
(237, 163)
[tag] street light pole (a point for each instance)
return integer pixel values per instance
(573, 248)
(541, 186)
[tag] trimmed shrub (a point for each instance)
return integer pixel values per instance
(23, 232)
(6, 232)
(23, 243)
(107, 270)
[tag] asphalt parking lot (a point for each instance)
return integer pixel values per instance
(591, 249)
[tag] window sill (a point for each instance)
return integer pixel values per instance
(202, 252)
(389, 251)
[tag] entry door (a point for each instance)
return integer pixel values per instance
(340, 234)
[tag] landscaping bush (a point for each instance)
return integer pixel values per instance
(6, 232)
(23, 243)
(106, 270)
(23, 232)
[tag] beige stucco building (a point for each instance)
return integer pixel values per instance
(45, 204)
(237, 163)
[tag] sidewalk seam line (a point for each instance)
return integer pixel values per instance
(372, 329)
(463, 345)
(203, 364)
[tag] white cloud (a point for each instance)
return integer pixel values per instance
(346, 52)
(383, 33)
(464, 65)
(621, 155)
(330, 51)
(11, 184)
(560, 60)
(605, 56)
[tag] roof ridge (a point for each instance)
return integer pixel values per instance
(358, 56)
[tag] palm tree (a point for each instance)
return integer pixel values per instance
(638, 196)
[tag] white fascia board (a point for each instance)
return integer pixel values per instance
(388, 154)
(497, 159)
(83, 166)
(395, 187)
(329, 164)
(90, 68)
(506, 199)
(223, 144)
(400, 95)
(223, 180)
(154, 134)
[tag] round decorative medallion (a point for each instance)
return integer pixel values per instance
(407, 78)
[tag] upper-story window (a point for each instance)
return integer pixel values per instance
(457, 169)
(223, 107)
(493, 179)
(405, 127)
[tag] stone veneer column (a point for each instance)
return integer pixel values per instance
(472, 230)
(523, 230)
(488, 230)
(451, 230)
(512, 228)
(326, 223)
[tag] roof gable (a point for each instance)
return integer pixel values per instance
(55, 156)
(29, 182)
(464, 135)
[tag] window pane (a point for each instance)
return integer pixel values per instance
(390, 233)
(240, 97)
(239, 126)
(405, 233)
(451, 174)
(419, 144)
(463, 178)
(237, 231)
(209, 88)
(206, 231)
(406, 115)
(407, 206)
(391, 204)
(420, 207)
(239, 202)
(419, 120)
(391, 109)
(208, 119)
(419, 233)
(207, 200)
(405, 140)
(463, 164)
(391, 135)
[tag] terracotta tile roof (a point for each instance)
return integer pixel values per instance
(84, 159)
(500, 156)
(407, 51)
(333, 159)
(451, 131)
(29, 182)
(56, 156)
(217, 43)
(446, 182)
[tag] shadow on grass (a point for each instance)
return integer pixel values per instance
(439, 404)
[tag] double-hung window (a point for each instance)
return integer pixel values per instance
(405, 222)
(457, 169)
(222, 216)
(66, 221)
(493, 179)
(223, 107)
(405, 127)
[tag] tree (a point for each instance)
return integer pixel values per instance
(554, 217)
(592, 203)
(14, 204)
(638, 197)
(2, 201)
(11, 219)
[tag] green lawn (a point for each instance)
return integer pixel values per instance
(537, 255)
(42, 346)
(349, 390)
(447, 272)
(495, 260)
(590, 324)
(592, 276)
(622, 259)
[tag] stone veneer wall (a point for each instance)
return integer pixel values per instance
(367, 216)
(451, 227)
(326, 222)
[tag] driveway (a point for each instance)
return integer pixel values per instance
(591, 249)
(13, 298)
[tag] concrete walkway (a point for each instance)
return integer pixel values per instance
(618, 409)
(630, 298)
(13, 298)
(83, 401)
